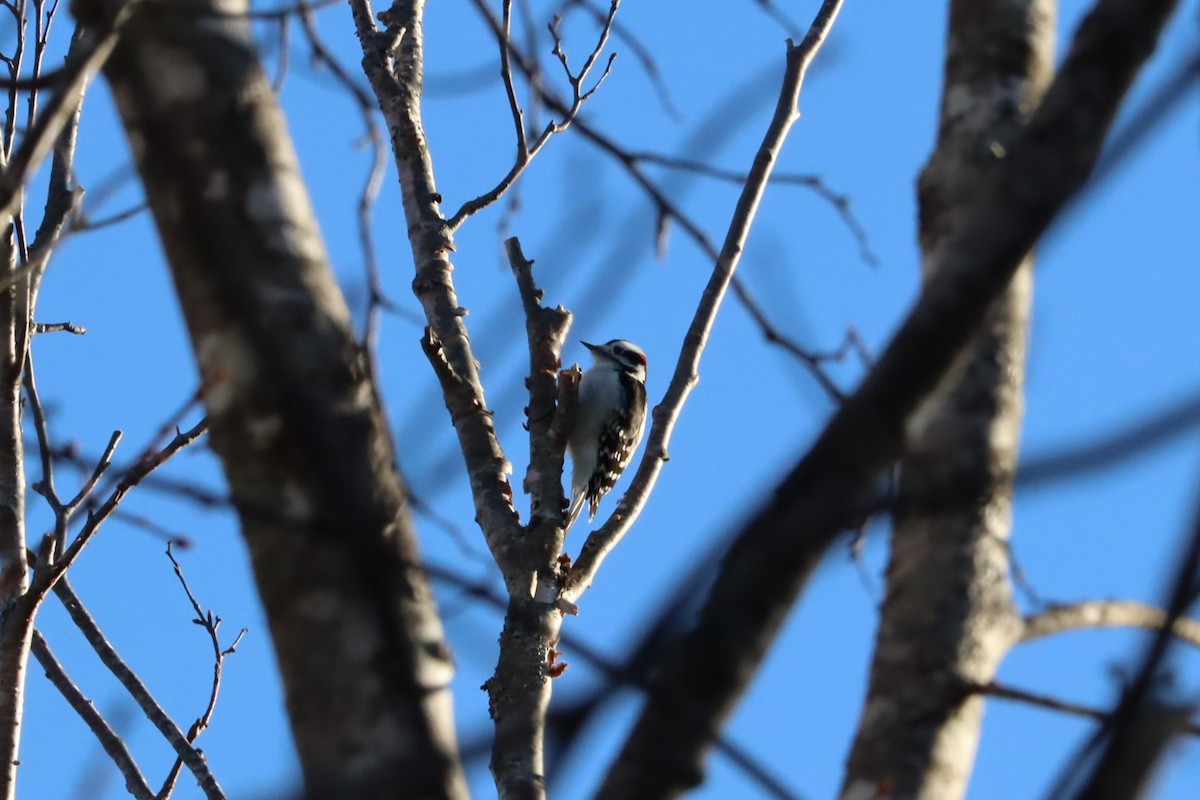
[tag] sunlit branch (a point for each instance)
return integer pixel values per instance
(1094, 614)
(109, 739)
(601, 542)
(580, 95)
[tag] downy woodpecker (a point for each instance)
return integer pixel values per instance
(609, 423)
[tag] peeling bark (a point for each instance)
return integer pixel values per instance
(294, 415)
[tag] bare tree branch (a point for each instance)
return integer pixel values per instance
(1005, 692)
(601, 542)
(109, 739)
(211, 624)
(580, 95)
(1118, 759)
(296, 419)
(1113, 446)
(833, 484)
(191, 757)
(1092, 614)
(948, 584)
(840, 202)
(100, 38)
(393, 61)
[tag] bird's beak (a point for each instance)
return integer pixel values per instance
(589, 345)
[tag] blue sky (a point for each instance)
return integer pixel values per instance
(1114, 335)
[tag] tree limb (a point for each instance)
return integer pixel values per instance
(948, 615)
(295, 416)
(190, 756)
(393, 62)
(602, 541)
(832, 485)
(1105, 614)
(109, 739)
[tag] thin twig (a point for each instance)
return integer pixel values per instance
(154, 712)
(40, 137)
(569, 114)
(1005, 692)
(211, 624)
(840, 202)
(1112, 446)
(377, 300)
(640, 51)
(82, 223)
(143, 467)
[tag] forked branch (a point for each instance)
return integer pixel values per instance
(601, 542)
(580, 94)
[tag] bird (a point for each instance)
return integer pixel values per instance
(609, 422)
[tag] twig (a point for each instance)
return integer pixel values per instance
(109, 739)
(377, 300)
(87, 625)
(1113, 446)
(1004, 692)
(144, 523)
(284, 46)
(149, 462)
(813, 361)
(667, 209)
(211, 623)
(59, 327)
(840, 202)
(569, 113)
(82, 223)
(89, 486)
(1124, 748)
(580, 94)
(779, 16)
(40, 137)
(640, 52)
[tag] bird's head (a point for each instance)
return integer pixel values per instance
(622, 355)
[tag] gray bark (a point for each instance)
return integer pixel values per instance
(948, 617)
(16, 615)
(520, 689)
(836, 482)
(294, 414)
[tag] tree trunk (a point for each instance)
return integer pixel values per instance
(948, 618)
(294, 414)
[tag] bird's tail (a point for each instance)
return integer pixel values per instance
(577, 500)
